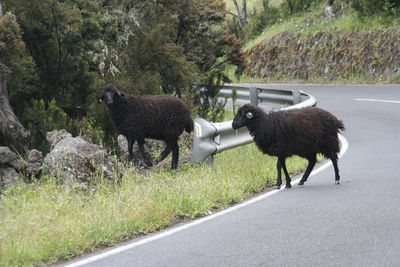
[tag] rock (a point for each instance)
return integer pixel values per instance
(150, 146)
(375, 55)
(9, 158)
(33, 164)
(9, 176)
(56, 136)
(9, 165)
(76, 160)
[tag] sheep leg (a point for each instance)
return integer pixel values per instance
(175, 156)
(143, 153)
(130, 146)
(279, 168)
(288, 180)
(335, 166)
(311, 164)
(164, 154)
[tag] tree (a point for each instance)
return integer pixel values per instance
(61, 37)
(170, 43)
(12, 50)
(371, 7)
(241, 15)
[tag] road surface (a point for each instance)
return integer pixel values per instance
(320, 224)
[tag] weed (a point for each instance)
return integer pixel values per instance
(47, 222)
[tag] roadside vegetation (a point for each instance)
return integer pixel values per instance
(56, 55)
(44, 222)
(307, 19)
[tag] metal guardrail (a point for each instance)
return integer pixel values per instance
(211, 138)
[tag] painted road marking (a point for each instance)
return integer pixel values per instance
(378, 100)
(113, 251)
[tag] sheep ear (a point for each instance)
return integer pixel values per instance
(249, 115)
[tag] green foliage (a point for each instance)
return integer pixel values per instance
(40, 118)
(98, 126)
(206, 98)
(60, 35)
(371, 7)
(16, 66)
(268, 16)
(47, 222)
(291, 7)
(143, 47)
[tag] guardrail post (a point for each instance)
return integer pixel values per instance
(203, 143)
(296, 97)
(253, 96)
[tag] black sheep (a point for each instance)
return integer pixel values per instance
(304, 132)
(161, 117)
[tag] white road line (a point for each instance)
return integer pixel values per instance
(378, 100)
(105, 254)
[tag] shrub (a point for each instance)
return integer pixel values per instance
(41, 118)
(206, 98)
(268, 16)
(291, 7)
(371, 7)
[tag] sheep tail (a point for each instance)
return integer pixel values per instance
(189, 126)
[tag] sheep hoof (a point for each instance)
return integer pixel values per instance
(301, 183)
(277, 187)
(337, 182)
(288, 186)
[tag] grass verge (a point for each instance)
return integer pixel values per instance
(45, 222)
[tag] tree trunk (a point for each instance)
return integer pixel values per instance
(242, 16)
(12, 133)
(244, 12)
(328, 9)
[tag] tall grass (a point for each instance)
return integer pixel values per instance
(45, 222)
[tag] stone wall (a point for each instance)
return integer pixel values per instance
(326, 54)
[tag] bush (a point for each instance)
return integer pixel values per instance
(291, 7)
(206, 98)
(40, 119)
(268, 16)
(371, 7)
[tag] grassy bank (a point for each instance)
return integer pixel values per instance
(306, 25)
(45, 222)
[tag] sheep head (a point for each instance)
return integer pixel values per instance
(244, 116)
(110, 94)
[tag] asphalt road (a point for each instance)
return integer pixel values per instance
(356, 223)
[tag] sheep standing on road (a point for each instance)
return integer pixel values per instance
(161, 117)
(304, 132)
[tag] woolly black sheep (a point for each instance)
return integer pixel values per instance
(303, 132)
(162, 117)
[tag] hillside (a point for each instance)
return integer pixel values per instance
(309, 46)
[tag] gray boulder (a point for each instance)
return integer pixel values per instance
(74, 160)
(151, 146)
(33, 163)
(10, 164)
(9, 159)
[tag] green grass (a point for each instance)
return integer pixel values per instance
(45, 222)
(314, 21)
(310, 23)
(251, 4)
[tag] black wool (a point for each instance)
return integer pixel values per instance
(161, 117)
(304, 132)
